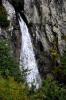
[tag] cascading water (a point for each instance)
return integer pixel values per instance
(27, 56)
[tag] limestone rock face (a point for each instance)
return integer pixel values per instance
(46, 21)
(49, 14)
(12, 32)
(47, 25)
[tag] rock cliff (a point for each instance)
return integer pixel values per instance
(12, 32)
(46, 21)
(47, 25)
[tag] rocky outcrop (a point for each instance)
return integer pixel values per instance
(48, 17)
(47, 25)
(12, 32)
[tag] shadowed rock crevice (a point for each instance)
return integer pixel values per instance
(17, 4)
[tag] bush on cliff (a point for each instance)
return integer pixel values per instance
(60, 71)
(8, 64)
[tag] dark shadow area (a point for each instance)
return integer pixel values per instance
(18, 4)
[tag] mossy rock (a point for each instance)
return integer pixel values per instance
(54, 53)
(3, 17)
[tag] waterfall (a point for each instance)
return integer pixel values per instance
(27, 56)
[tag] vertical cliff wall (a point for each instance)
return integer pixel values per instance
(12, 31)
(46, 21)
(47, 24)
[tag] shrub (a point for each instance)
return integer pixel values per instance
(8, 64)
(11, 90)
(51, 90)
(60, 71)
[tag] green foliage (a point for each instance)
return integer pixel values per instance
(6, 60)
(50, 90)
(54, 55)
(8, 64)
(11, 90)
(60, 71)
(3, 17)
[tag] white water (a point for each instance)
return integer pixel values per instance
(27, 56)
